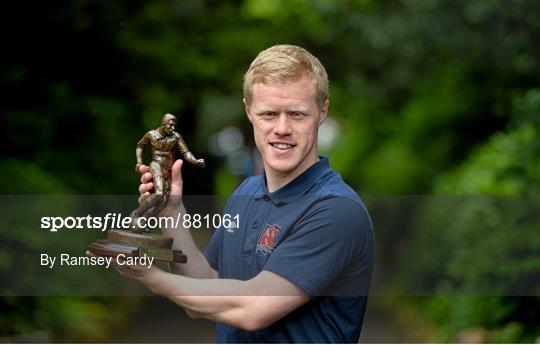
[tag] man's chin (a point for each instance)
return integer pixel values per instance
(282, 168)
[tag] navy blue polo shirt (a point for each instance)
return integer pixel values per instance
(315, 232)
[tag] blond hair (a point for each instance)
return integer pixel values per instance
(282, 63)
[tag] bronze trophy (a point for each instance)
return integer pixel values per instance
(138, 242)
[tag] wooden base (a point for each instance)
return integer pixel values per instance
(133, 244)
(147, 240)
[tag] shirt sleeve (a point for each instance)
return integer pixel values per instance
(334, 234)
(145, 140)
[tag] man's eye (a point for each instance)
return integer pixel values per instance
(269, 114)
(297, 114)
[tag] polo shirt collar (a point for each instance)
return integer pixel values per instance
(297, 187)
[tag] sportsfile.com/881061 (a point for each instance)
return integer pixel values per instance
(117, 221)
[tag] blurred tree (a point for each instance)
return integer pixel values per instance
(424, 91)
(485, 245)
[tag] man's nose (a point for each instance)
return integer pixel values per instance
(282, 125)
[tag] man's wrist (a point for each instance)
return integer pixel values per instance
(173, 210)
(175, 213)
(154, 279)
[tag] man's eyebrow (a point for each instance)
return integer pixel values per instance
(298, 110)
(263, 111)
(292, 110)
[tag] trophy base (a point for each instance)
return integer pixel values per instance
(134, 244)
(147, 240)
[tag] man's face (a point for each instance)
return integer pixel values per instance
(286, 118)
(168, 126)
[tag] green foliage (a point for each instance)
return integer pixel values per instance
(476, 245)
(509, 164)
(64, 318)
(432, 97)
(31, 179)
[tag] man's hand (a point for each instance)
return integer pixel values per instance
(175, 194)
(140, 273)
(197, 265)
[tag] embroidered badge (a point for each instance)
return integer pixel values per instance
(267, 241)
(232, 227)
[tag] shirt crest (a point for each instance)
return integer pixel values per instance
(267, 241)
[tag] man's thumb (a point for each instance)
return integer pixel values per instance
(176, 173)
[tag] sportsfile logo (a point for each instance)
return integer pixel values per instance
(110, 220)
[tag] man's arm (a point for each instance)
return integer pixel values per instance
(197, 265)
(249, 305)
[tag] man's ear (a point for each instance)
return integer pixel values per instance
(246, 108)
(324, 111)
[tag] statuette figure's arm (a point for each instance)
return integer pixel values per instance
(141, 145)
(184, 150)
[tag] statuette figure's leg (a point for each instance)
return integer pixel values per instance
(155, 202)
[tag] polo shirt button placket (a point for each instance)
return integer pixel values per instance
(249, 253)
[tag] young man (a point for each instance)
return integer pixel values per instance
(298, 265)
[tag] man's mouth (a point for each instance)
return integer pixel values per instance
(282, 146)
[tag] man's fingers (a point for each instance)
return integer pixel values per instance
(145, 188)
(141, 198)
(114, 264)
(146, 177)
(176, 183)
(146, 185)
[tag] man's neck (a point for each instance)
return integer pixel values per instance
(162, 132)
(275, 180)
